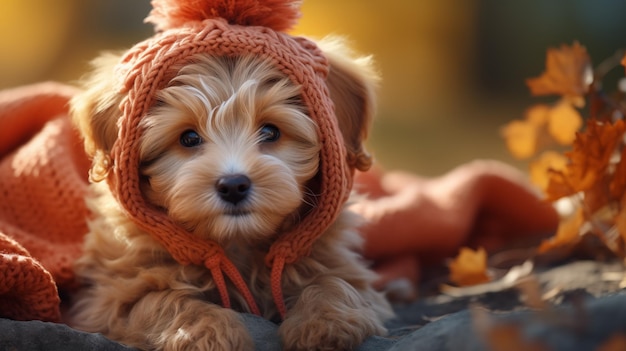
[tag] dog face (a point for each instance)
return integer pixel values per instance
(228, 151)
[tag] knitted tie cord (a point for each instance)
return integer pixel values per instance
(149, 66)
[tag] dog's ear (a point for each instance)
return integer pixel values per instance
(95, 112)
(352, 82)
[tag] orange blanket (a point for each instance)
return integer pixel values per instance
(43, 178)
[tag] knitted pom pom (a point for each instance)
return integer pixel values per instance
(279, 15)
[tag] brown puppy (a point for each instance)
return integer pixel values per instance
(230, 154)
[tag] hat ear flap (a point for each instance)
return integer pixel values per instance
(95, 112)
(352, 83)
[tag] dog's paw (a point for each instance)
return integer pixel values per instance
(337, 330)
(223, 330)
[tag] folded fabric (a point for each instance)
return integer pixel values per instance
(413, 220)
(44, 177)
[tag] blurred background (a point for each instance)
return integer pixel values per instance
(453, 70)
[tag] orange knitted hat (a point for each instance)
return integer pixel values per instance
(227, 28)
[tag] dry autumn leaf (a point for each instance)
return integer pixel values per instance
(541, 125)
(521, 138)
(589, 159)
(538, 114)
(563, 122)
(617, 187)
(539, 168)
(592, 176)
(596, 201)
(568, 73)
(469, 267)
(620, 220)
(567, 235)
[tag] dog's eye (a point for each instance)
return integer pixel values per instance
(190, 138)
(269, 133)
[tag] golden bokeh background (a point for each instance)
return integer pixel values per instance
(453, 70)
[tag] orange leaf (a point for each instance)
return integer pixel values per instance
(559, 185)
(620, 220)
(589, 159)
(617, 186)
(563, 123)
(539, 169)
(538, 114)
(469, 267)
(567, 235)
(597, 198)
(521, 138)
(568, 73)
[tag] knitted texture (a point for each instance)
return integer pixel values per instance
(43, 178)
(149, 66)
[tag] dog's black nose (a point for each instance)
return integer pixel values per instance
(233, 188)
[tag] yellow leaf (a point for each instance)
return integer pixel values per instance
(521, 138)
(563, 123)
(537, 115)
(469, 267)
(540, 168)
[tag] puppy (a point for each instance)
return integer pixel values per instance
(230, 154)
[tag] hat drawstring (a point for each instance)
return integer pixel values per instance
(276, 284)
(219, 264)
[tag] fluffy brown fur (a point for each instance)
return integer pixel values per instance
(137, 294)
